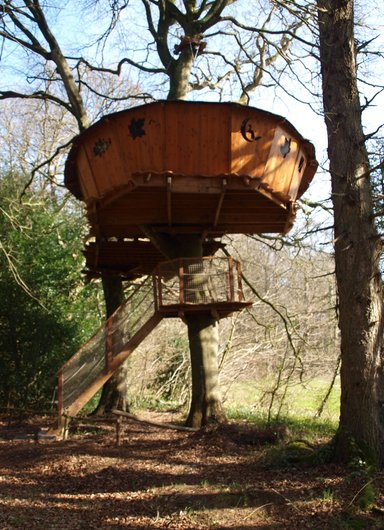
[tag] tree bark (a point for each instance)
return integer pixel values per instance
(203, 335)
(357, 244)
(206, 406)
(179, 84)
(115, 391)
(114, 394)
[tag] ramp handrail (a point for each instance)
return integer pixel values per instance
(98, 354)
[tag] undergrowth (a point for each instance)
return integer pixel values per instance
(298, 427)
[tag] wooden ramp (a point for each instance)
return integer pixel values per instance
(86, 371)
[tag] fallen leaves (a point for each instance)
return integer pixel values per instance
(161, 479)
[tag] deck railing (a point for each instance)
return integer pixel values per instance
(198, 281)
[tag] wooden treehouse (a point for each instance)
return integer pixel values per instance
(183, 167)
(176, 168)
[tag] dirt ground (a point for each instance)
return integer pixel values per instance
(218, 478)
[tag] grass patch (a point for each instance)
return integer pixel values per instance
(300, 401)
(299, 427)
(305, 439)
(156, 404)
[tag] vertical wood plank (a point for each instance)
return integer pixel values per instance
(281, 161)
(297, 176)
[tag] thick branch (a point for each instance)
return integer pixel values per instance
(117, 70)
(39, 94)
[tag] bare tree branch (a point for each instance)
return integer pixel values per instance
(40, 94)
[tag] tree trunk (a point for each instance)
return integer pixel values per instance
(115, 390)
(203, 335)
(206, 406)
(114, 394)
(179, 84)
(357, 244)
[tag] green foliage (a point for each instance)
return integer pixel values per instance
(301, 401)
(302, 442)
(91, 405)
(46, 311)
(367, 498)
(328, 495)
(298, 426)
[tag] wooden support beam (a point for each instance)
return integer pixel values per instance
(132, 344)
(220, 203)
(181, 283)
(239, 281)
(117, 361)
(159, 241)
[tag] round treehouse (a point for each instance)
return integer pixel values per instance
(180, 175)
(177, 167)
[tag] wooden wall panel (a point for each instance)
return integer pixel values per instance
(140, 208)
(182, 139)
(214, 150)
(298, 172)
(141, 139)
(183, 167)
(87, 181)
(103, 158)
(193, 208)
(190, 139)
(281, 161)
(252, 135)
(127, 154)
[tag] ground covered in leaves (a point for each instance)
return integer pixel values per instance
(217, 478)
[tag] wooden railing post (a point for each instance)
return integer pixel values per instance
(239, 282)
(157, 288)
(181, 282)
